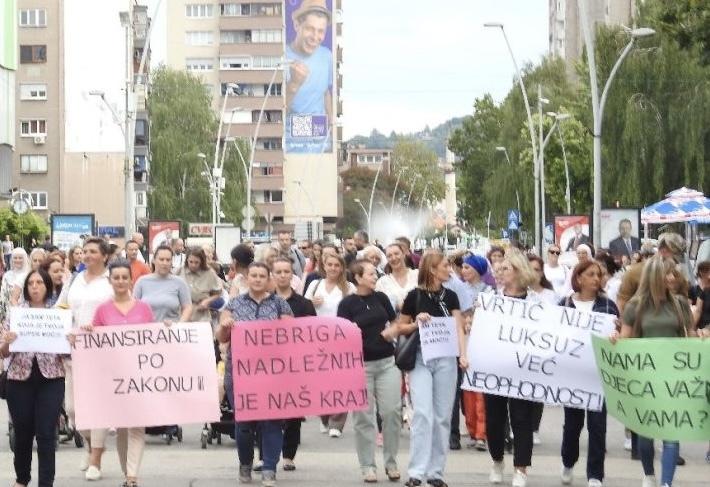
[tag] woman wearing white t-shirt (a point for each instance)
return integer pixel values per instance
(398, 279)
(558, 275)
(326, 294)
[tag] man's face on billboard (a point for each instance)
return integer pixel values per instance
(310, 33)
(625, 229)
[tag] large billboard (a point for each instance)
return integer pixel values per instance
(311, 93)
(67, 230)
(308, 75)
(160, 233)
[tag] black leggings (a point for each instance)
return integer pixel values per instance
(521, 416)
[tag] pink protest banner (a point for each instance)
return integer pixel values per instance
(145, 375)
(298, 367)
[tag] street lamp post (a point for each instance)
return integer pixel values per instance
(568, 194)
(530, 127)
(253, 143)
(367, 215)
(216, 169)
(394, 193)
(517, 195)
(558, 118)
(598, 108)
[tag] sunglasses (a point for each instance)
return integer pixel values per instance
(554, 252)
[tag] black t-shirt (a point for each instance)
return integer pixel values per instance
(430, 302)
(695, 293)
(300, 306)
(370, 313)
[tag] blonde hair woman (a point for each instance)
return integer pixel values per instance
(515, 275)
(326, 294)
(655, 311)
(432, 384)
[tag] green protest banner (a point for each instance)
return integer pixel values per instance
(657, 387)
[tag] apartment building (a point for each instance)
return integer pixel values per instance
(247, 46)
(8, 68)
(70, 109)
(566, 33)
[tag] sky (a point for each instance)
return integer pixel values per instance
(412, 63)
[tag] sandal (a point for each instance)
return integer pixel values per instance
(289, 466)
(369, 477)
(412, 482)
(393, 474)
(437, 483)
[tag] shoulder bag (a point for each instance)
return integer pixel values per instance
(405, 353)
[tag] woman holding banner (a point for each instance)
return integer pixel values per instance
(257, 304)
(432, 384)
(515, 274)
(35, 392)
(655, 312)
(124, 309)
(82, 296)
(372, 311)
(588, 296)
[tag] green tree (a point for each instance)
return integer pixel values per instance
(22, 228)
(183, 126)
(418, 159)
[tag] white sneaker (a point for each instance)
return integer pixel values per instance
(627, 444)
(566, 475)
(536, 438)
(520, 479)
(334, 433)
(92, 473)
(649, 481)
(323, 428)
(594, 483)
(85, 463)
(496, 475)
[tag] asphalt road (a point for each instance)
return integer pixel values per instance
(325, 461)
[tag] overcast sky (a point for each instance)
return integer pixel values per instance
(409, 63)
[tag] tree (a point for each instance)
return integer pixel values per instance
(22, 228)
(183, 126)
(419, 160)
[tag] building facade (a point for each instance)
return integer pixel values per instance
(247, 47)
(566, 33)
(71, 107)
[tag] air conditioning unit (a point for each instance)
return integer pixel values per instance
(40, 139)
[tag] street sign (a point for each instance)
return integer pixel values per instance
(247, 224)
(504, 234)
(513, 219)
(246, 212)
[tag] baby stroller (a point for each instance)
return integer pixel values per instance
(225, 426)
(65, 432)
(167, 432)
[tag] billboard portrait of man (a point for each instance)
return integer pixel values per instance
(625, 244)
(308, 76)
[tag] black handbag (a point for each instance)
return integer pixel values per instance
(3, 384)
(405, 353)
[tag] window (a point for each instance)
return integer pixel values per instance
(33, 17)
(235, 9)
(30, 163)
(266, 62)
(275, 89)
(271, 144)
(39, 200)
(269, 116)
(141, 132)
(234, 36)
(237, 62)
(33, 54)
(273, 196)
(198, 64)
(33, 91)
(266, 36)
(199, 38)
(267, 9)
(199, 11)
(141, 199)
(269, 169)
(30, 128)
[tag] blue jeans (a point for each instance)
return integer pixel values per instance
(432, 388)
(669, 458)
(271, 432)
(34, 406)
(596, 450)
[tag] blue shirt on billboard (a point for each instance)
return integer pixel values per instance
(307, 131)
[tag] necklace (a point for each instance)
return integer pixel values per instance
(363, 300)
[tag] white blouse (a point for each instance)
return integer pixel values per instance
(331, 299)
(388, 284)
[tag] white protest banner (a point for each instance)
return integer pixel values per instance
(145, 375)
(439, 338)
(536, 351)
(40, 330)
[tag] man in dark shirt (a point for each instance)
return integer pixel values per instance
(282, 273)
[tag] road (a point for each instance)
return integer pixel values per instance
(325, 461)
